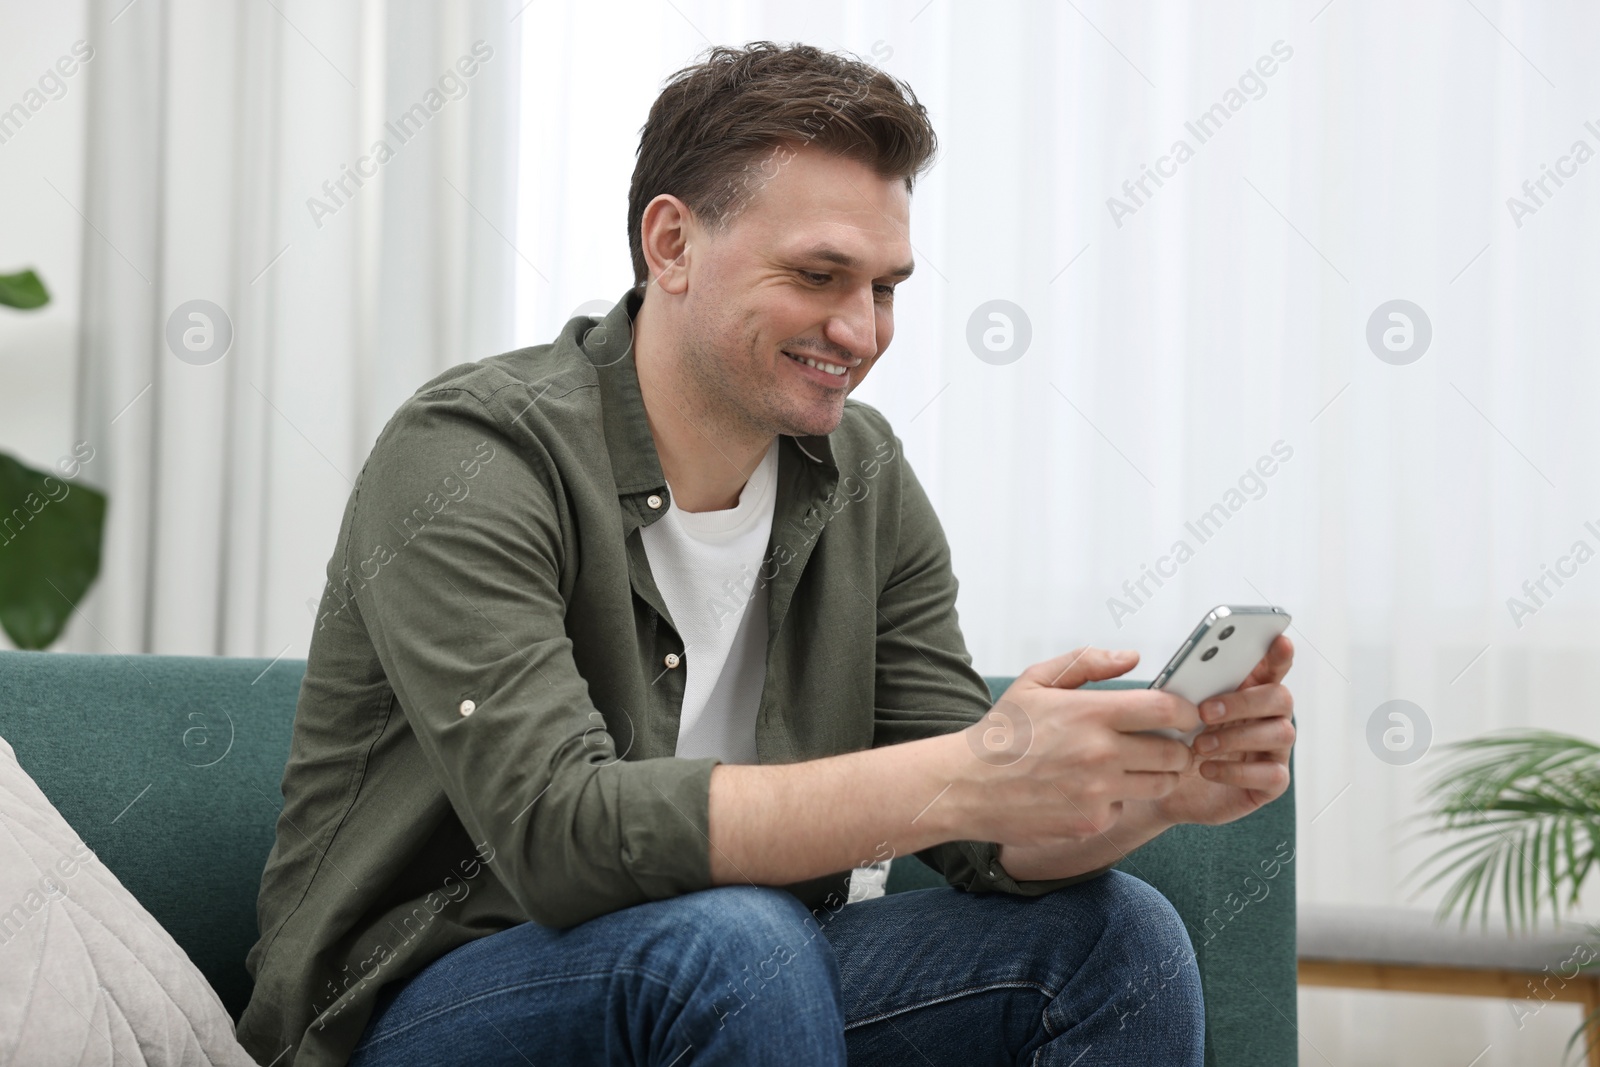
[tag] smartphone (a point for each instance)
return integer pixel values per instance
(1218, 656)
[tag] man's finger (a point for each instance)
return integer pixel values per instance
(1268, 776)
(1133, 711)
(1081, 665)
(1275, 734)
(1274, 665)
(1257, 702)
(1148, 785)
(1143, 753)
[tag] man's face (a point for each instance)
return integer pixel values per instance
(807, 269)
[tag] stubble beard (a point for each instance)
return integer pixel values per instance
(740, 398)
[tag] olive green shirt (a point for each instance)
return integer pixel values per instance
(485, 732)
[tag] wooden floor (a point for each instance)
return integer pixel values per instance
(1510, 985)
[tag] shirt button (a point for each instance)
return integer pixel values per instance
(654, 501)
(672, 660)
(467, 708)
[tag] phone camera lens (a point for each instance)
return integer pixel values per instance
(1227, 632)
(1212, 651)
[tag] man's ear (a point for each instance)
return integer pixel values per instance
(664, 236)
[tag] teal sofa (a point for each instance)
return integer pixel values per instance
(168, 767)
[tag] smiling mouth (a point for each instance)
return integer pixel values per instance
(836, 369)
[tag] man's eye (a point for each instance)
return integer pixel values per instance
(885, 292)
(813, 276)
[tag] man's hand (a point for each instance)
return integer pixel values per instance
(1247, 748)
(1054, 764)
(1241, 760)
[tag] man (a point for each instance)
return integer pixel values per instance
(635, 644)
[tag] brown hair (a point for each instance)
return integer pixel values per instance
(714, 121)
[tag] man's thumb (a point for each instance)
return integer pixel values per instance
(1081, 665)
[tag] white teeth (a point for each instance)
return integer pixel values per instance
(830, 368)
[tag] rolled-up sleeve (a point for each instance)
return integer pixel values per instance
(454, 555)
(926, 684)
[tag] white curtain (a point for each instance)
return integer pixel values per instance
(232, 157)
(1177, 336)
(1180, 337)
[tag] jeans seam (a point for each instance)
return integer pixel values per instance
(1044, 1016)
(377, 1039)
(1015, 983)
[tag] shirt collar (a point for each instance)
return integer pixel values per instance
(636, 465)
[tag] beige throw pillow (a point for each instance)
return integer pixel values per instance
(86, 975)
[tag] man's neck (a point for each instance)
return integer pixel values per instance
(706, 461)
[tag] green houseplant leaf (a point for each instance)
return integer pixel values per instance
(23, 290)
(50, 533)
(1523, 809)
(50, 527)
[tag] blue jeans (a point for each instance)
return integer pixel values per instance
(1096, 974)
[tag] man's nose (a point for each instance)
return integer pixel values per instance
(854, 325)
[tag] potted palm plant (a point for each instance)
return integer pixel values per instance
(50, 527)
(1523, 810)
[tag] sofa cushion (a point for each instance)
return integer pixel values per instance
(86, 975)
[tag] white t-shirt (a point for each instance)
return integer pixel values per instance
(706, 565)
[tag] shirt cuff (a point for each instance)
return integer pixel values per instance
(975, 867)
(665, 846)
